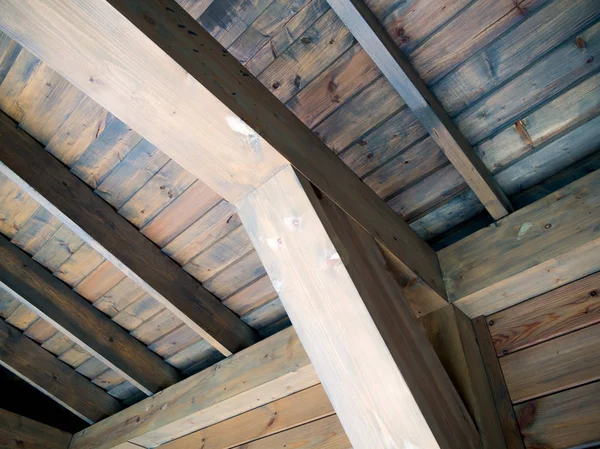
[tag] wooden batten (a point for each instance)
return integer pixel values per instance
(545, 245)
(64, 195)
(52, 377)
(76, 318)
(18, 432)
(406, 81)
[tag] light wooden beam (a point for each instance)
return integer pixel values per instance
(18, 432)
(52, 377)
(271, 369)
(71, 314)
(202, 108)
(382, 375)
(375, 40)
(68, 198)
(545, 245)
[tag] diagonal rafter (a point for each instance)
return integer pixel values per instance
(406, 81)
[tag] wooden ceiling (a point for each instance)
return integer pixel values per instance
(520, 80)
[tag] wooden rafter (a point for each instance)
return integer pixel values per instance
(54, 378)
(68, 198)
(202, 108)
(75, 317)
(19, 432)
(406, 81)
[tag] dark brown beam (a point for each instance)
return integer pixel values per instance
(18, 432)
(406, 81)
(54, 378)
(37, 172)
(75, 317)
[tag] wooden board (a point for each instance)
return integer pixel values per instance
(545, 245)
(563, 420)
(18, 432)
(54, 378)
(558, 312)
(552, 366)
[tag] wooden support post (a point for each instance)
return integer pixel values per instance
(18, 432)
(52, 377)
(202, 107)
(383, 378)
(406, 81)
(68, 198)
(71, 314)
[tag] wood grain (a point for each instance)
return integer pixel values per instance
(545, 245)
(18, 432)
(112, 237)
(52, 377)
(563, 420)
(554, 365)
(566, 309)
(80, 321)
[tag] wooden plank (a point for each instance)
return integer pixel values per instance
(52, 377)
(58, 304)
(558, 312)
(543, 246)
(286, 413)
(214, 146)
(379, 46)
(351, 315)
(454, 341)
(99, 225)
(18, 432)
(267, 371)
(502, 402)
(550, 366)
(562, 421)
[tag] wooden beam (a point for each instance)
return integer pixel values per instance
(382, 375)
(545, 245)
(18, 432)
(374, 39)
(71, 314)
(502, 403)
(68, 198)
(54, 378)
(454, 341)
(202, 108)
(269, 370)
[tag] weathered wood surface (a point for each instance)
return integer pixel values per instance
(237, 93)
(554, 365)
(286, 413)
(407, 82)
(453, 339)
(563, 420)
(502, 402)
(301, 235)
(52, 377)
(543, 246)
(76, 318)
(95, 222)
(269, 370)
(18, 432)
(558, 312)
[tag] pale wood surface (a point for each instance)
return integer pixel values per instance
(350, 314)
(236, 89)
(18, 432)
(269, 370)
(563, 420)
(68, 198)
(286, 413)
(543, 246)
(54, 378)
(566, 309)
(555, 365)
(76, 318)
